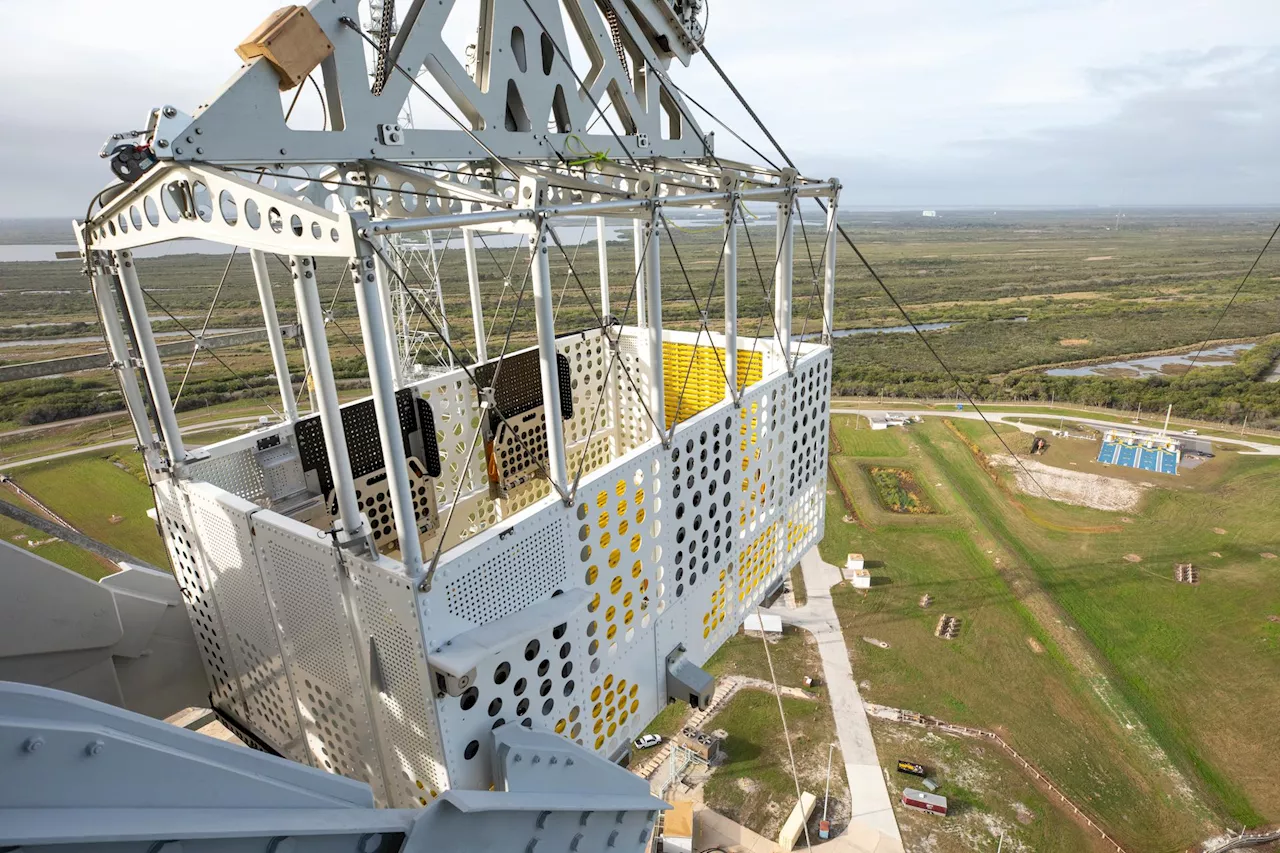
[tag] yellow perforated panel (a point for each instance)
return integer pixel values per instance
(704, 386)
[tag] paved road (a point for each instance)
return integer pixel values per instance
(872, 819)
(121, 442)
(1013, 418)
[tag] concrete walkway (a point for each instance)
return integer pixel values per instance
(872, 825)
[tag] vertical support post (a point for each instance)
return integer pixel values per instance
(387, 328)
(639, 226)
(374, 323)
(543, 306)
(653, 295)
(477, 306)
(731, 298)
(829, 282)
(271, 320)
(785, 247)
(136, 308)
(602, 249)
(311, 318)
(110, 318)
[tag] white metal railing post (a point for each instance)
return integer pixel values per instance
(731, 300)
(374, 322)
(271, 321)
(136, 308)
(477, 306)
(639, 227)
(602, 247)
(311, 318)
(829, 283)
(120, 361)
(785, 248)
(544, 306)
(653, 295)
(383, 279)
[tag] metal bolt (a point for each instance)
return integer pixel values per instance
(282, 151)
(189, 139)
(199, 130)
(94, 748)
(33, 744)
(517, 759)
(177, 151)
(199, 150)
(369, 842)
(169, 112)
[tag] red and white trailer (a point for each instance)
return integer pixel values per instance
(925, 802)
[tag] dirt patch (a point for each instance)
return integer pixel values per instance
(1073, 487)
(1101, 258)
(1035, 646)
(115, 519)
(1126, 520)
(1025, 815)
(1219, 531)
(1267, 555)
(747, 786)
(1215, 554)
(1074, 342)
(1133, 558)
(1273, 618)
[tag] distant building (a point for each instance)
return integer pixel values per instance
(928, 213)
(1157, 452)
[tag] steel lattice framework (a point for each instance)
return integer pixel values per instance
(555, 537)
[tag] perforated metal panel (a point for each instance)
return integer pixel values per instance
(226, 549)
(524, 567)
(237, 472)
(374, 498)
(412, 754)
(300, 568)
(181, 536)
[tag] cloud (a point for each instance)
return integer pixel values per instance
(922, 102)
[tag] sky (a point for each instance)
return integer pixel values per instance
(912, 103)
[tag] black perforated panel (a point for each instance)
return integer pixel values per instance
(360, 423)
(519, 387)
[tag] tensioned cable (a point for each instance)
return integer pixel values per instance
(1232, 300)
(204, 328)
(875, 275)
(329, 318)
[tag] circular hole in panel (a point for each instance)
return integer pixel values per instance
(204, 202)
(152, 211)
(501, 674)
(531, 650)
(295, 225)
(469, 698)
(471, 750)
(520, 686)
(227, 208)
(135, 216)
(251, 214)
(275, 220)
(494, 707)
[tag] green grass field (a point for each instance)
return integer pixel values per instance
(102, 496)
(62, 553)
(1065, 645)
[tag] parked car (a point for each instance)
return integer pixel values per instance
(647, 741)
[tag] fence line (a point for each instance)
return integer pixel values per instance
(913, 718)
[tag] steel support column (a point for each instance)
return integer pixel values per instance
(387, 329)
(829, 282)
(477, 306)
(731, 300)
(544, 307)
(110, 319)
(653, 295)
(374, 323)
(311, 319)
(271, 321)
(785, 248)
(638, 228)
(136, 308)
(602, 249)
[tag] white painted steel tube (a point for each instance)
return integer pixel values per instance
(731, 301)
(544, 306)
(271, 320)
(477, 306)
(829, 281)
(311, 318)
(653, 295)
(602, 247)
(136, 304)
(119, 346)
(785, 247)
(380, 357)
(384, 281)
(638, 228)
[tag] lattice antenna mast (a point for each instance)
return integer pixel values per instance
(554, 537)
